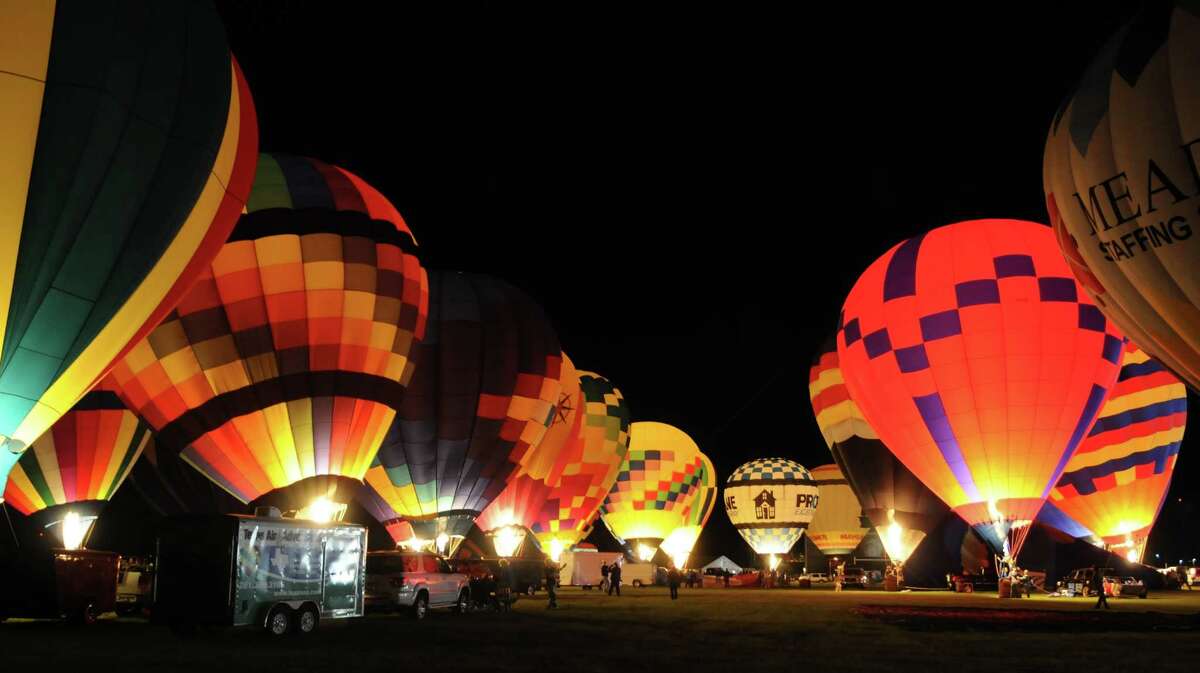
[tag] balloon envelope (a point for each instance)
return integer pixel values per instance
(1117, 480)
(900, 508)
(836, 528)
(485, 390)
(85, 456)
(589, 464)
(656, 486)
(1120, 174)
(981, 363)
(282, 367)
(770, 501)
(129, 143)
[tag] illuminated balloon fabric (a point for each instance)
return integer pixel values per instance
(836, 528)
(129, 143)
(1117, 480)
(83, 457)
(590, 463)
(901, 508)
(286, 360)
(981, 364)
(528, 490)
(484, 392)
(1121, 172)
(655, 487)
(680, 543)
(770, 501)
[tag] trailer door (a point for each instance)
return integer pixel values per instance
(342, 586)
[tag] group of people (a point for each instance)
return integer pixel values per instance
(610, 577)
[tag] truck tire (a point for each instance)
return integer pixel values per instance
(279, 620)
(637, 584)
(530, 590)
(85, 616)
(464, 602)
(420, 607)
(307, 619)
(968, 588)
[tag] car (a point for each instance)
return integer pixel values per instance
(854, 577)
(1119, 586)
(415, 582)
(815, 578)
(135, 583)
(528, 575)
(971, 582)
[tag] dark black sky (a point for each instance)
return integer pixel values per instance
(689, 191)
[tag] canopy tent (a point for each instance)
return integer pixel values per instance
(723, 563)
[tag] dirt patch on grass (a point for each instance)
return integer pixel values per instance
(934, 618)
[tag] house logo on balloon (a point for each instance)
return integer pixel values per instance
(764, 505)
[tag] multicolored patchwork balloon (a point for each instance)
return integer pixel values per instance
(129, 144)
(282, 368)
(1116, 482)
(587, 466)
(982, 364)
(655, 488)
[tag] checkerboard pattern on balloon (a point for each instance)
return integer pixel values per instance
(652, 480)
(774, 469)
(288, 357)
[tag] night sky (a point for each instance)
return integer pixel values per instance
(689, 193)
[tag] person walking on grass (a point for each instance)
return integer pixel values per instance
(604, 570)
(552, 571)
(674, 578)
(1097, 584)
(614, 578)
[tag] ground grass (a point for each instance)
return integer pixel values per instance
(732, 630)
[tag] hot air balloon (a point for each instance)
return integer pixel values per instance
(680, 543)
(485, 391)
(520, 504)
(1120, 173)
(589, 464)
(981, 364)
(655, 488)
(1117, 480)
(71, 471)
(770, 502)
(280, 371)
(129, 144)
(836, 528)
(900, 508)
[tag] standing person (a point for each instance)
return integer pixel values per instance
(552, 571)
(674, 577)
(727, 574)
(1097, 585)
(614, 578)
(604, 570)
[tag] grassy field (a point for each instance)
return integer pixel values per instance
(706, 630)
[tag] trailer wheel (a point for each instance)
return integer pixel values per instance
(85, 615)
(637, 584)
(968, 588)
(308, 620)
(279, 620)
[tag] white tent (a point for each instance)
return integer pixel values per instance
(725, 564)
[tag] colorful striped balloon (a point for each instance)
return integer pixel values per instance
(84, 456)
(283, 366)
(127, 148)
(484, 393)
(1117, 480)
(680, 543)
